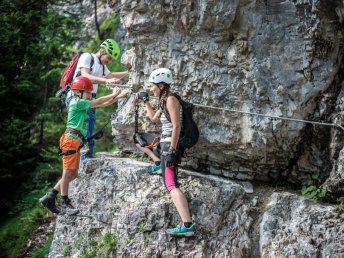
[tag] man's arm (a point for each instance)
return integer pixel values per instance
(86, 72)
(117, 75)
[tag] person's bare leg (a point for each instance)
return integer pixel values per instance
(57, 187)
(66, 205)
(181, 204)
(148, 152)
(67, 177)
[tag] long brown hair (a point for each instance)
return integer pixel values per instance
(164, 93)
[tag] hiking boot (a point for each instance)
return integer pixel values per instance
(156, 169)
(68, 208)
(182, 231)
(48, 201)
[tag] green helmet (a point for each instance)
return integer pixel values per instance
(111, 48)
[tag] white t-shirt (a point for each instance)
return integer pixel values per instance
(97, 68)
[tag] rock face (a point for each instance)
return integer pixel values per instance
(280, 58)
(131, 209)
(272, 57)
(295, 227)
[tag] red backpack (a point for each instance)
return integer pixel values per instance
(68, 73)
(67, 76)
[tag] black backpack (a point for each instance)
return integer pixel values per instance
(189, 133)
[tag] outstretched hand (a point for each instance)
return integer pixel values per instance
(116, 91)
(123, 94)
(113, 80)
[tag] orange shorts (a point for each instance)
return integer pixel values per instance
(70, 162)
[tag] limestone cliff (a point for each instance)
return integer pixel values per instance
(273, 57)
(131, 209)
(281, 58)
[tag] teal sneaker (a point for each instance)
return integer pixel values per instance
(154, 170)
(182, 231)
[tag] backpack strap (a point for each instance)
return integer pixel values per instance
(136, 118)
(92, 62)
(165, 108)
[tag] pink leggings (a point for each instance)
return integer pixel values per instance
(170, 179)
(169, 174)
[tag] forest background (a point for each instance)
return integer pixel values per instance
(38, 41)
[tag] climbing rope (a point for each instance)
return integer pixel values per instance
(273, 117)
(99, 134)
(335, 125)
(114, 85)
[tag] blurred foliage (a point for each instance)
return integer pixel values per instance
(34, 37)
(339, 207)
(42, 251)
(15, 232)
(38, 41)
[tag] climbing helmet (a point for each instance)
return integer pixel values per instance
(82, 83)
(161, 75)
(111, 48)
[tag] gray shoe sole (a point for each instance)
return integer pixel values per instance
(155, 173)
(186, 234)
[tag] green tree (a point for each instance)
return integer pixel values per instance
(34, 37)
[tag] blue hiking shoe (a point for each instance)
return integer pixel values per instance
(87, 155)
(182, 231)
(156, 169)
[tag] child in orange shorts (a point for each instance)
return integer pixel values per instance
(72, 140)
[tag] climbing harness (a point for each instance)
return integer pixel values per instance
(97, 135)
(148, 140)
(71, 152)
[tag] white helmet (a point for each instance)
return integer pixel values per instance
(161, 75)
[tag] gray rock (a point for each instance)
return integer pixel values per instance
(129, 203)
(268, 57)
(124, 212)
(296, 227)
